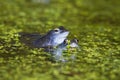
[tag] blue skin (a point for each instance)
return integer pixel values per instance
(52, 39)
(57, 53)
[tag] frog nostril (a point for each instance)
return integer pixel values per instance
(63, 31)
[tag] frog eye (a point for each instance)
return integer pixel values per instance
(75, 40)
(56, 30)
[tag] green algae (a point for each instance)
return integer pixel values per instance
(95, 23)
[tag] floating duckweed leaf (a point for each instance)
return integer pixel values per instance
(95, 23)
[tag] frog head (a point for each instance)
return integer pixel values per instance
(74, 43)
(53, 38)
(58, 35)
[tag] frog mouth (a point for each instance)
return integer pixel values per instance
(61, 37)
(64, 34)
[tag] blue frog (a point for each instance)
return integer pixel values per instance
(54, 41)
(51, 39)
(58, 52)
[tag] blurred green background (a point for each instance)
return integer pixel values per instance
(96, 23)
